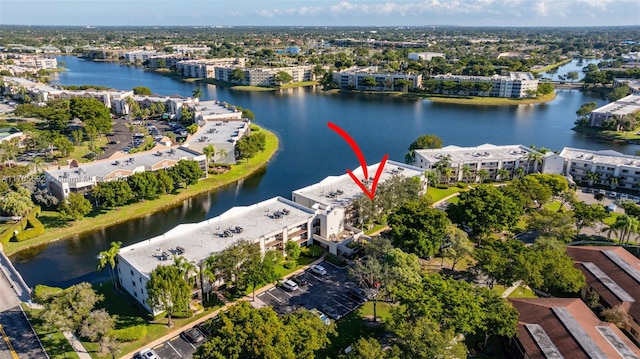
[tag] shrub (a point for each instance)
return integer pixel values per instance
(312, 251)
(461, 185)
(35, 228)
(334, 259)
(42, 293)
(289, 264)
(183, 314)
(129, 334)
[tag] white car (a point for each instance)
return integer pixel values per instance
(322, 316)
(149, 354)
(289, 285)
(318, 269)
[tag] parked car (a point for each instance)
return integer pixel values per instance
(357, 294)
(300, 281)
(289, 285)
(204, 329)
(332, 313)
(322, 316)
(149, 354)
(318, 269)
(193, 335)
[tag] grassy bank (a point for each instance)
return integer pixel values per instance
(58, 228)
(173, 75)
(490, 101)
(552, 66)
(616, 136)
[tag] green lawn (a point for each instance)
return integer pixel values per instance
(490, 101)
(612, 218)
(358, 324)
(438, 194)
(552, 66)
(553, 206)
(53, 341)
(57, 228)
(499, 289)
(617, 136)
(522, 292)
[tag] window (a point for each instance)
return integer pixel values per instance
(140, 279)
(133, 283)
(136, 294)
(131, 270)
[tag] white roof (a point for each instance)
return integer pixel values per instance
(200, 240)
(603, 156)
(322, 192)
(486, 152)
(624, 106)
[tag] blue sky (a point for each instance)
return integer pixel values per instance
(322, 12)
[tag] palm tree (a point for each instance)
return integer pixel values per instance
(535, 158)
(466, 173)
(10, 149)
(483, 175)
(223, 153)
(592, 177)
(503, 174)
(209, 151)
(432, 178)
(109, 257)
(39, 164)
(208, 272)
(197, 93)
(519, 173)
(613, 182)
(187, 268)
(625, 225)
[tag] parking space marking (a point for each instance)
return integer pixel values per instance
(174, 349)
(188, 342)
(274, 297)
(343, 305)
(287, 293)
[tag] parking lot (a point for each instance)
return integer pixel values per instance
(326, 293)
(177, 347)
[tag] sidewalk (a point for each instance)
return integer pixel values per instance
(175, 331)
(77, 345)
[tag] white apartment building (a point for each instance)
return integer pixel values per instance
(269, 224)
(191, 49)
(634, 84)
(205, 68)
(139, 55)
(513, 85)
(264, 76)
(622, 107)
(422, 56)
(490, 158)
(37, 62)
(386, 81)
(81, 178)
(170, 61)
(606, 163)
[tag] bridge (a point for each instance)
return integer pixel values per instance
(564, 85)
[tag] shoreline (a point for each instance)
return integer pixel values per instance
(628, 137)
(209, 81)
(485, 101)
(107, 218)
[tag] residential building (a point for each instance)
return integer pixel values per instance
(264, 76)
(634, 84)
(467, 162)
(614, 110)
(356, 78)
(81, 178)
(334, 226)
(206, 68)
(512, 85)
(170, 61)
(36, 62)
(614, 275)
(607, 164)
(566, 328)
(139, 55)
(269, 224)
(424, 56)
(190, 49)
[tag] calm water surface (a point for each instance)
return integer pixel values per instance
(308, 152)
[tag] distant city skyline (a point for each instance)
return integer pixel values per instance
(321, 12)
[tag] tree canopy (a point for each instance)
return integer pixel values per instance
(418, 228)
(168, 291)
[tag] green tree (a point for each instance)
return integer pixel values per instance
(545, 88)
(108, 257)
(186, 173)
(369, 348)
(369, 81)
(75, 206)
(65, 147)
(417, 228)
(249, 146)
(293, 251)
(459, 245)
(192, 128)
(165, 182)
(584, 111)
(144, 185)
(245, 332)
(197, 93)
(484, 209)
(237, 75)
(586, 215)
(619, 92)
(92, 112)
(501, 262)
(428, 141)
(572, 75)
(209, 151)
(142, 90)
(112, 194)
(168, 291)
(550, 269)
(500, 317)
(282, 77)
(67, 309)
(77, 137)
(16, 203)
(423, 338)
(96, 327)
(552, 224)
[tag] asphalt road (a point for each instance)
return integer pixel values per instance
(22, 338)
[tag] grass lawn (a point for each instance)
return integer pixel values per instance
(491, 101)
(252, 88)
(618, 136)
(498, 288)
(54, 342)
(523, 292)
(553, 206)
(454, 200)
(438, 194)
(354, 326)
(612, 218)
(375, 229)
(81, 150)
(552, 66)
(57, 228)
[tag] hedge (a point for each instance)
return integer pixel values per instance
(129, 334)
(334, 259)
(312, 251)
(8, 234)
(35, 228)
(183, 314)
(42, 293)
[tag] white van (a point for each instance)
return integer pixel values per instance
(289, 285)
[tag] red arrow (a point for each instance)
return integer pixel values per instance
(363, 163)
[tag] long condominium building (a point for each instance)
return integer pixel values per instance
(605, 164)
(317, 214)
(513, 85)
(359, 78)
(615, 110)
(263, 76)
(206, 68)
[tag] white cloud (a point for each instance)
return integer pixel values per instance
(541, 8)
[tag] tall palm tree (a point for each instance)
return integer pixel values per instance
(39, 164)
(208, 272)
(432, 178)
(108, 257)
(592, 177)
(197, 93)
(535, 159)
(483, 175)
(188, 269)
(466, 173)
(626, 226)
(613, 182)
(209, 151)
(518, 173)
(503, 174)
